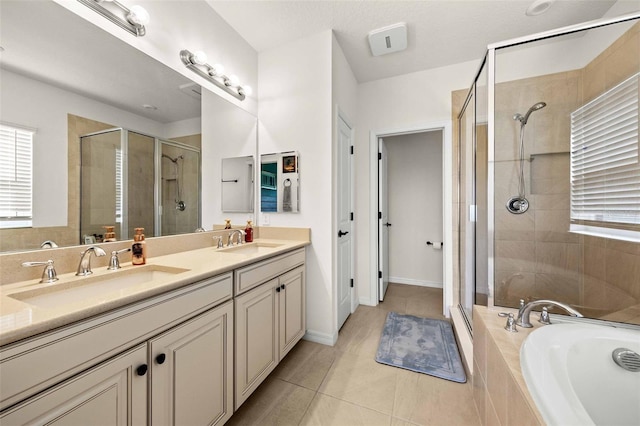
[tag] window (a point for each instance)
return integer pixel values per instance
(16, 146)
(605, 167)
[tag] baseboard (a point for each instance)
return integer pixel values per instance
(322, 338)
(366, 302)
(411, 281)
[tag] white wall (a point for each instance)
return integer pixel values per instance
(345, 100)
(393, 104)
(415, 208)
(295, 114)
(34, 104)
(176, 25)
(227, 131)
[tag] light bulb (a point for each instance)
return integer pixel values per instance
(217, 70)
(138, 16)
(247, 90)
(234, 81)
(199, 57)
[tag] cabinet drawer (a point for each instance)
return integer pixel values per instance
(29, 366)
(253, 275)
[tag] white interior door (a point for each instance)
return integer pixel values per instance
(345, 217)
(383, 220)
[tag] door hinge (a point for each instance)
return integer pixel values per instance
(379, 156)
(351, 215)
(379, 215)
(351, 282)
(351, 150)
(379, 274)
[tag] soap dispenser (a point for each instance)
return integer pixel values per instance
(139, 248)
(248, 232)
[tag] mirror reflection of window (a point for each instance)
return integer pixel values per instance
(269, 187)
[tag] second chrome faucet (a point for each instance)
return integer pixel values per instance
(84, 267)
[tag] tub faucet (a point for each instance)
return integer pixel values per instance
(84, 267)
(525, 311)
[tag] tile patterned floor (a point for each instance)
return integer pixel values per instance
(344, 386)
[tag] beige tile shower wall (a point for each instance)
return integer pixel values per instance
(31, 238)
(536, 256)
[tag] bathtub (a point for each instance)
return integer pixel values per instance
(573, 379)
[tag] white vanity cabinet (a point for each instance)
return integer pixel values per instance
(191, 371)
(269, 318)
(112, 393)
(106, 370)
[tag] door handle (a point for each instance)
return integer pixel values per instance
(340, 233)
(387, 224)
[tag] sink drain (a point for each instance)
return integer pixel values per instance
(627, 359)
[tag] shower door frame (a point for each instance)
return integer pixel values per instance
(157, 154)
(491, 82)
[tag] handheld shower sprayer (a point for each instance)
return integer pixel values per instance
(523, 119)
(519, 204)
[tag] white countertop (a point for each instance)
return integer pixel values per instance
(19, 320)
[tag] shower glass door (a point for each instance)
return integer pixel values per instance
(472, 197)
(179, 188)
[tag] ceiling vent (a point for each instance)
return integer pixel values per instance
(388, 39)
(192, 89)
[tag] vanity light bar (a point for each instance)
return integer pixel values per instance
(196, 62)
(132, 20)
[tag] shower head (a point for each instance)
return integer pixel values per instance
(523, 119)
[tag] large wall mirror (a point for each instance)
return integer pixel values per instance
(64, 78)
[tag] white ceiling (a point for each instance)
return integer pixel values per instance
(440, 32)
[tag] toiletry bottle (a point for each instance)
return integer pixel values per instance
(248, 232)
(139, 248)
(227, 225)
(109, 235)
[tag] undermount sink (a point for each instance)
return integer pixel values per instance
(92, 287)
(252, 248)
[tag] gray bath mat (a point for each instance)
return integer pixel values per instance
(422, 345)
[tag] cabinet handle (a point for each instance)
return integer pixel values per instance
(277, 289)
(161, 358)
(282, 286)
(142, 370)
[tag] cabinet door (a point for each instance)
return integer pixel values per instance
(192, 371)
(112, 393)
(292, 310)
(256, 338)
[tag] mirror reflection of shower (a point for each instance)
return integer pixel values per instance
(180, 204)
(519, 204)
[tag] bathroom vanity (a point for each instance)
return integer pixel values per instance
(159, 350)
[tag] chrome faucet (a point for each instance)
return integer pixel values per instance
(114, 262)
(49, 274)
(84, 268)
(218, 239)
(525, 311)
(238, 232)
(48, 244)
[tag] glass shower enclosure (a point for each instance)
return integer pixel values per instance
(131, 180)
(549, 172)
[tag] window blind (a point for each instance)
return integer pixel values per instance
(16, 147)
(605, 171)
